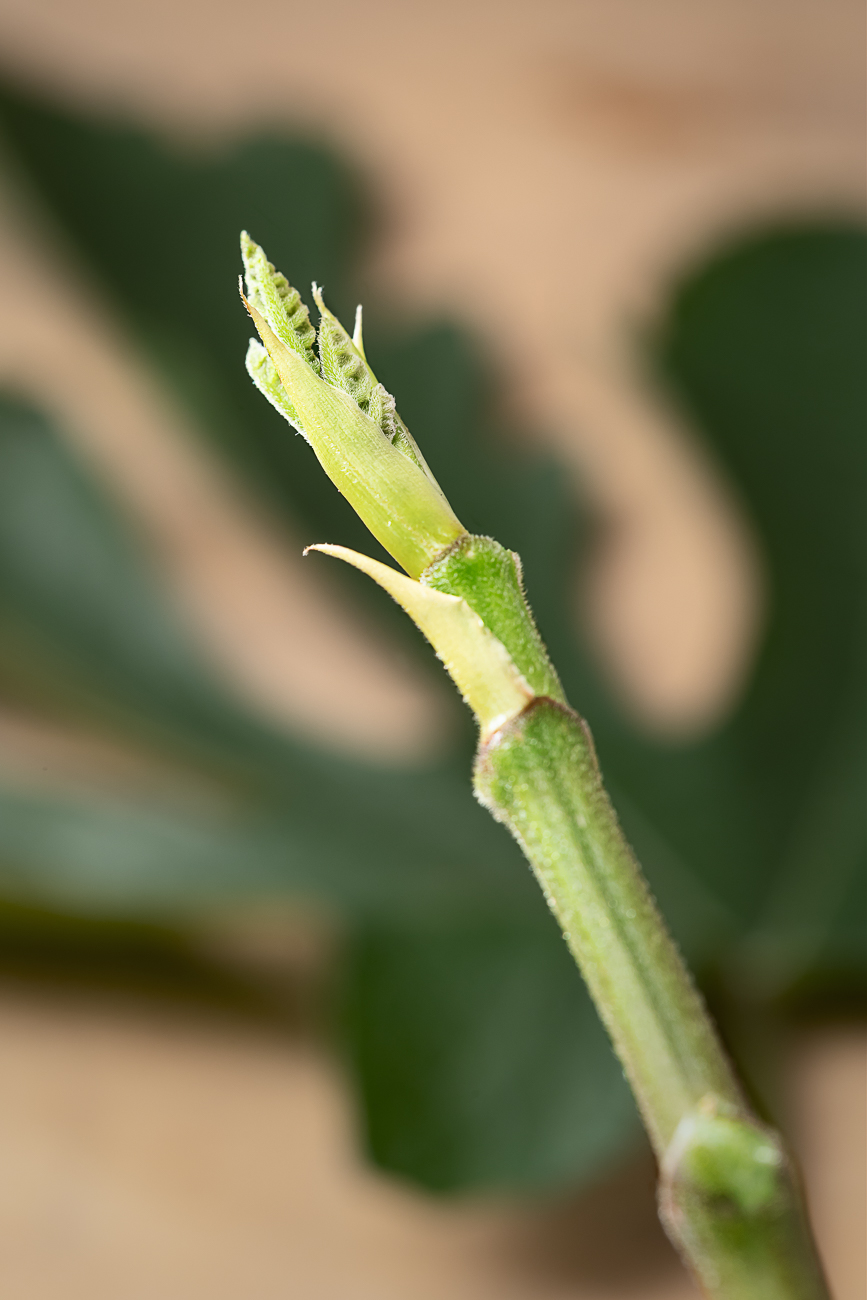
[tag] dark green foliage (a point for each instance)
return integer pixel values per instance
(767, 349)
(86, 631)
(479, 1058)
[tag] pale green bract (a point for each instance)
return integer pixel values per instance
(478, 663)
(263, 373)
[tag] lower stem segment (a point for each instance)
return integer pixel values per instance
(727, 1195)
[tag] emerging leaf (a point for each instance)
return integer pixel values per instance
(391, 493)
(344, 365)
(272, 294)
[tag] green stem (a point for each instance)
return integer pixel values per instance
(727, 1194)
(539, 775)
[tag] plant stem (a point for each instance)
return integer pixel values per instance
(728, 1198)
(727, 1194)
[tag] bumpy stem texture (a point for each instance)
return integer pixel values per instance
(727, 1195)
(539, 775)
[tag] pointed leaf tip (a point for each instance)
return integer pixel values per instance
(271, 293)
(477, 662)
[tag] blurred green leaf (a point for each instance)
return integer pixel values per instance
(85, 629)
(767, 348)
(478, 1059)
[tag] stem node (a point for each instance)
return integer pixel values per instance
(730, 1200)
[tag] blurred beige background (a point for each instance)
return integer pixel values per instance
(568, 156)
